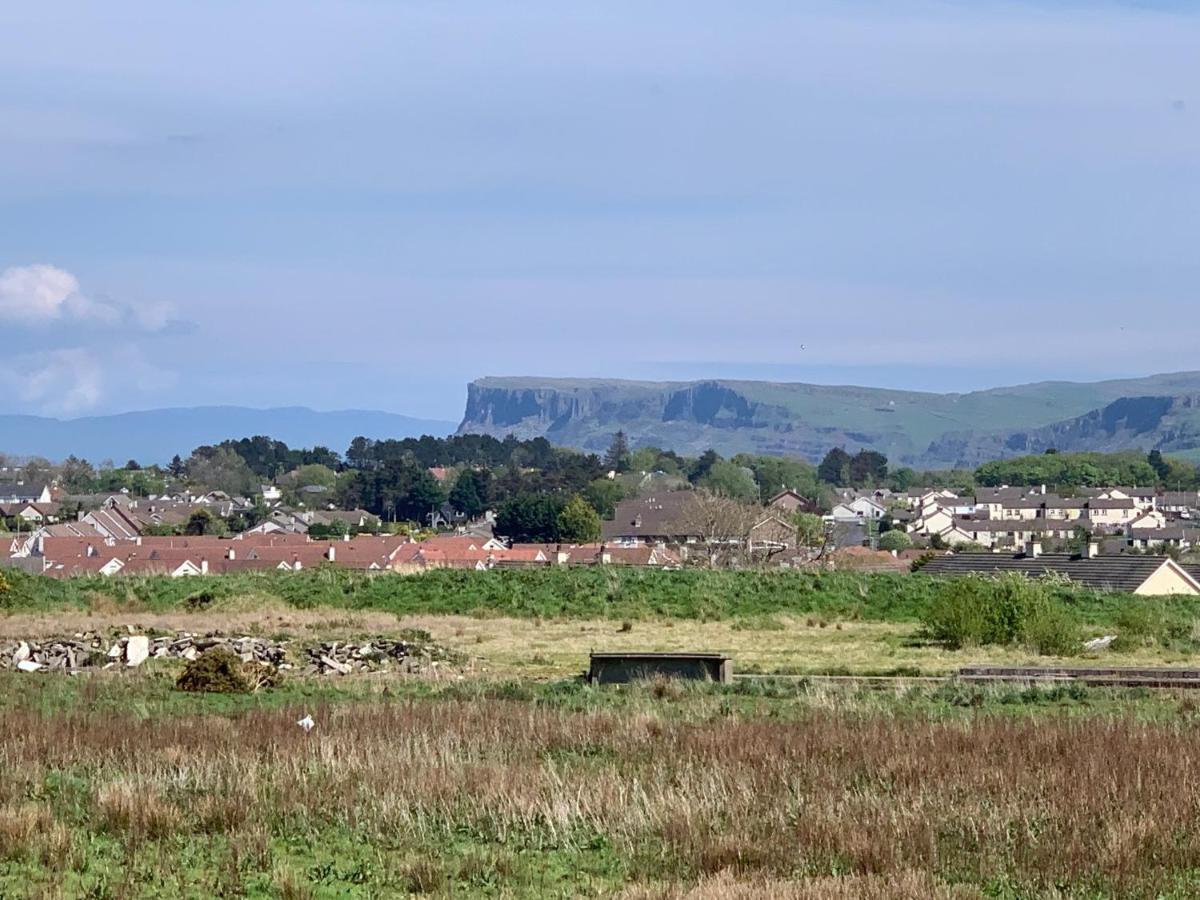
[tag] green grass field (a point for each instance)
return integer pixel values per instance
(506, 776)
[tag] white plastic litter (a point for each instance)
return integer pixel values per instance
(307, 724)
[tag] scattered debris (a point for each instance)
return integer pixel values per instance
(1100, 643)
(417, 653)
(307, 723)
(137, 650)
(414, 652)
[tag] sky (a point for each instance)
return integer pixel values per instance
(367, 203)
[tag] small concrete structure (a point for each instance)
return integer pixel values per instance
(621, 668)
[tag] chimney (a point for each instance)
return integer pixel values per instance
(1035, 549)
(1093, 549)
(332, 554)
(203, 566)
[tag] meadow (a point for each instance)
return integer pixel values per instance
(117, 785)
(507, 776)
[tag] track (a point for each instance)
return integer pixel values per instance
(1188, 679)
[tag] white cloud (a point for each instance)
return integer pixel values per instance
(65, 381)
(75, 380)
(41, 294)
(35, 293)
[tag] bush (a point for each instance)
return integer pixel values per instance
(1006, 609)
(219, 670)
(1049, 629)
(894, 540)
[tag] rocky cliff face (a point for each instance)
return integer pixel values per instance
(918, 429)
(1168, 424)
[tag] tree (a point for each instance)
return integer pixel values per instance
(868, 467)
(1159, 465)
(810, 529)
(617, 457)
(730, 480)
(722, 523)
(835, 468)
(703, 465)
(471, 493)
(201, 522)
(604, 494)
(78, 476)
(177, 468)
(425, 494)
(530, 518)
(578, 523)
(894, 540)
(220, 469)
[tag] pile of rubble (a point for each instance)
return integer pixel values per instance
(92, 649)
(379, 654)
(86, 650)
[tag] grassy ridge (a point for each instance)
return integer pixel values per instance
(584, 593)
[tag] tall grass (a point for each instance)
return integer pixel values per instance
(459, 795)
(592, 592)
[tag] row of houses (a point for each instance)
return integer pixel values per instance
(66, 557)
(1011, 518)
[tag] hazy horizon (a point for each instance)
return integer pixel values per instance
(366, 205)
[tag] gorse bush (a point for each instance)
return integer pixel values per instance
(1006, 609)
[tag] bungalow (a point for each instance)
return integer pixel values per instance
(1144, 575)
(788, 501)
(860, 509)
(25, 493)
(771, 535)
(662, 519)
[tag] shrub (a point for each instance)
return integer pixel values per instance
(219, 670)
(1049, 630)
(1006, 609)
(894, 540)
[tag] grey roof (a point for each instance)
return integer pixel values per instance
(1179, 498)
(663, 515)
(1103, 573)
(1004, 526)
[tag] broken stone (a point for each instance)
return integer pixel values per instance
(28, 665)
(340, 668)
(22, 653)
(137, 650)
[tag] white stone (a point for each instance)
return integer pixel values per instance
(341, 668)
(137, 650)
(1100, 643)
(190, 653)
(114, 651)
(22, 653)
(28, 665)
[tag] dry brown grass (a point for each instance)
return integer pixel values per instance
(714, 809)
(273, 619)
(555, 648)
(893, 886)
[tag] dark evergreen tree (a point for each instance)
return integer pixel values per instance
(617, 457)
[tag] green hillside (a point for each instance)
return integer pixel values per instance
(792, 419)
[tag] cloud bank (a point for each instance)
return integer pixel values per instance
(75, 352)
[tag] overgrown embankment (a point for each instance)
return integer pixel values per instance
(610, 593)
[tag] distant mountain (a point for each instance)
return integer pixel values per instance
(1169, 424)
(913, 428)
(155, 435)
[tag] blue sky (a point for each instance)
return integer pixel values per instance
(367, 204)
